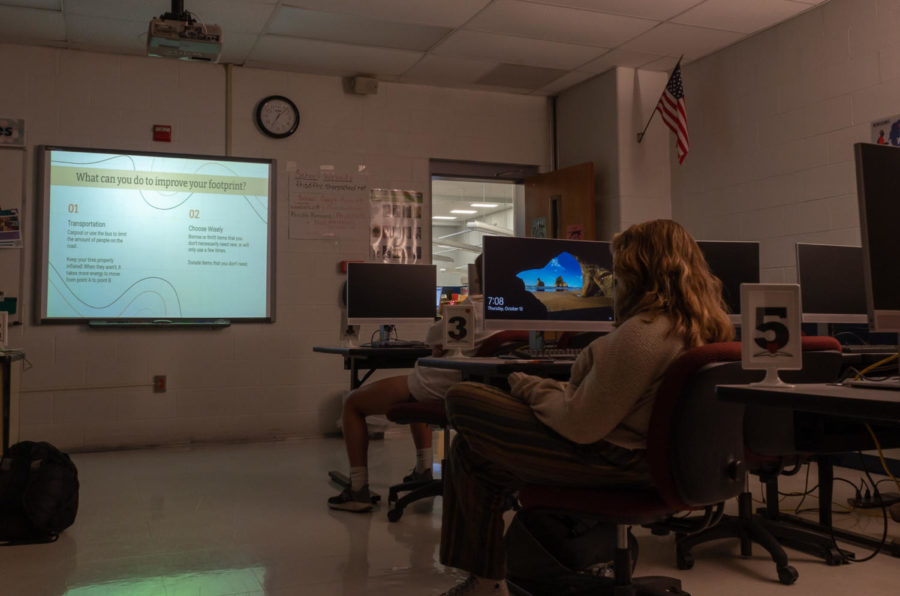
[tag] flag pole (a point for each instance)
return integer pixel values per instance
(640, 135)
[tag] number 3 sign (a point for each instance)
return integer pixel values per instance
(459, 327)
(770, 329)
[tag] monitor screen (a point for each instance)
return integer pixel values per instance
(542, 284)
(384, 293)
(878, 191)
(734, 263)
(832, 284)
(131, 237)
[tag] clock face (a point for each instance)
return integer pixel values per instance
(277, 116)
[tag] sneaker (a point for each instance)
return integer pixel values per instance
(414, 476)
(357, 501)
(475, 586)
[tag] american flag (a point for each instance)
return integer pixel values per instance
(671, 108)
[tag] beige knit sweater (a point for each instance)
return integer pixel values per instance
(612, 386)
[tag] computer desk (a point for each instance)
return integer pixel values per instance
(370, 359)
(829, 401)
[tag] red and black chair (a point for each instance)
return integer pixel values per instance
(696, 455)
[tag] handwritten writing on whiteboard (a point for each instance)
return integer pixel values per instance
(326, 204)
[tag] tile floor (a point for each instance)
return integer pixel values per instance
(251, 519)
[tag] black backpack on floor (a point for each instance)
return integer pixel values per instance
(38, 493)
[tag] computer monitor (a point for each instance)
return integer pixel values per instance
(544, 284)
(878, 191)
(733, 262)
(388, 293)
(832, 284)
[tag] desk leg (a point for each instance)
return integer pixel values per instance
(826, 488)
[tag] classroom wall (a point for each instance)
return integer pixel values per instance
(91, 389)
(772, 123)
(598, 121)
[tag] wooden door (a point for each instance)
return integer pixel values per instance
(560, 204)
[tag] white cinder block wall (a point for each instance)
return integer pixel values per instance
(598, 121)
(772, 123)
(89, 389)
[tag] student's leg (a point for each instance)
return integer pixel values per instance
(421, 435)
(501, 446)
(372, 398)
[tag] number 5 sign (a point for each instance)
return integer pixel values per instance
(459, 327)
(770, 329)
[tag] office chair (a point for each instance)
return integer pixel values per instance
(769, 448)
(695, 452)
(434, 414)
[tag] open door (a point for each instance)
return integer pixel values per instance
(560, 204)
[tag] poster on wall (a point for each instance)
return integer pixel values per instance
(10, 229)
(395, 233)
(326, 203)
(12, 132)
(539, 227)
(886, 131)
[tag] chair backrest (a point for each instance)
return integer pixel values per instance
(696, 442)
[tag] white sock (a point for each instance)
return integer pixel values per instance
(424, 459)
(359, 477)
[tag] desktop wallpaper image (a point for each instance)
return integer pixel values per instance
(565, 283)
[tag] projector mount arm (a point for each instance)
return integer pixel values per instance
(178, 13)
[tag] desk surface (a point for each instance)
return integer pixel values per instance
(838, 400)
(502, 366)
(364, 352)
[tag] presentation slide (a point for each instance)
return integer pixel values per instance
(149, 236)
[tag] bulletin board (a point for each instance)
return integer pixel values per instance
(12, 173)
(326, 202)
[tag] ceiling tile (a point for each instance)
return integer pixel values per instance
(659, 10)
(241, 16)
(93, 32)
(568, 25)
(140, 12)
(516, 50)
(446, 70)
(329, 26)
(618, 57)
(672, 39)
(330, 57)
(562, 83)
(441, 13)
(29, 25)
(664, 64)
(236, 47)
(743, 17)
(37, 4)
(520, 77)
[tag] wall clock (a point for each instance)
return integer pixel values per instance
(277, 116)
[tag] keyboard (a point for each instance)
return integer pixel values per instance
(552, 353)
(398, 343)
(892, 384)
(868, 349)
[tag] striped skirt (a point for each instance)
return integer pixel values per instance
(500, 446)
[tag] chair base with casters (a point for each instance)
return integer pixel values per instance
(821, 363)
(431, 413)
(601, 506)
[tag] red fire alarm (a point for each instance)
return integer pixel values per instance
(162, 132)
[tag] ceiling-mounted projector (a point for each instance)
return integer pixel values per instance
(177, 34)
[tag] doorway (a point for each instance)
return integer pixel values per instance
(470, 200)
